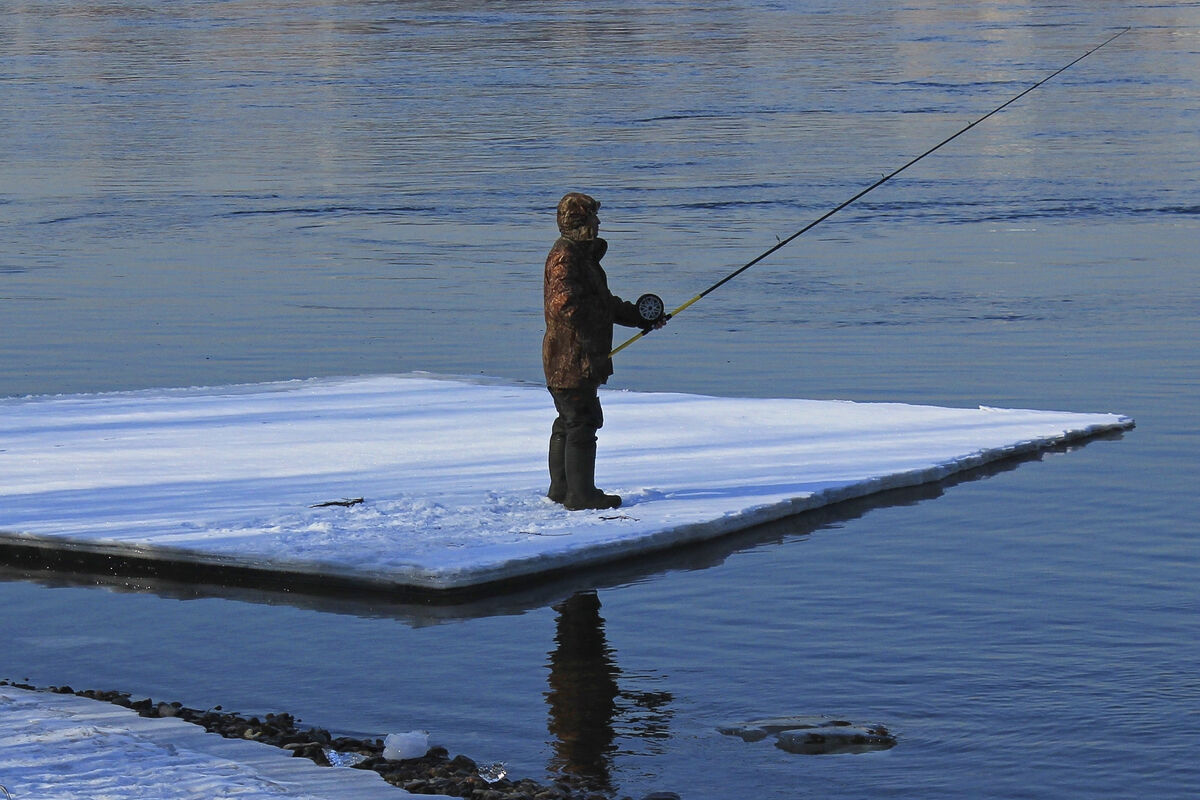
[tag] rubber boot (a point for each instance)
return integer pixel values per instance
(558, 467)
(581, 479)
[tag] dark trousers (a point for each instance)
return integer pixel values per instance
(579, 414)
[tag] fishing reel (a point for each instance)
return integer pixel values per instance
(653, 314)
(650, 308)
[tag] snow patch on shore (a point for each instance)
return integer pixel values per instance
(62, 747)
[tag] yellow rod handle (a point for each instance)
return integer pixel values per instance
(640, 335)
(625, 344)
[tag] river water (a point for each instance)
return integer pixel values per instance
(197, 193)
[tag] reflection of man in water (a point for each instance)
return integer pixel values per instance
(583, 692)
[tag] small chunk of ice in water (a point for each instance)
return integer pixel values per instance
(399, 746)
(493, 772)
(339, 759)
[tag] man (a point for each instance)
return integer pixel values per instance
(580, 313)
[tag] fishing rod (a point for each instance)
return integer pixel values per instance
(651, 307)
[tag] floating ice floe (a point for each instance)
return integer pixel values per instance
(814, 735)
(428, 483)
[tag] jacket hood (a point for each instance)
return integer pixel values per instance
(574, 214)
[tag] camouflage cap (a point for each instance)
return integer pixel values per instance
(574, 210)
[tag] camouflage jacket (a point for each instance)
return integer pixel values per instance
(580, 313)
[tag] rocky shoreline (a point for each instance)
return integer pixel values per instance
(436, 772)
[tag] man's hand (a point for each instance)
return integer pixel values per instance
(653, 326)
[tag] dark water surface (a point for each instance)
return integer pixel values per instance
(211, 193)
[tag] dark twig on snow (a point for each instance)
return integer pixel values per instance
(343, 503)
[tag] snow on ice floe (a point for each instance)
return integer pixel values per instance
(451, 472)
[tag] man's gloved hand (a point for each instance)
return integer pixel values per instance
(653, 326)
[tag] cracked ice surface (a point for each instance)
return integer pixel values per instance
(452, 471)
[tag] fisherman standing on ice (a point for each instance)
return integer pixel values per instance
(580, 313)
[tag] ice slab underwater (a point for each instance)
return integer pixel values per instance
(452, 472)
(814, 735)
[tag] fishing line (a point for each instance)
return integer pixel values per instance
(783, 242)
